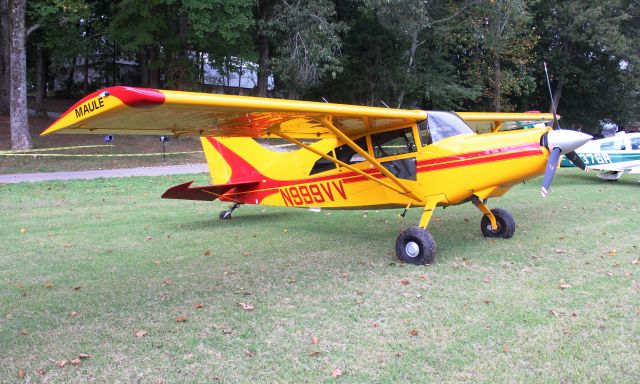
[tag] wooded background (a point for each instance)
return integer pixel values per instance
(480, 55)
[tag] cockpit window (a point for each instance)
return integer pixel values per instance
(393, 142)
(614, 145)
(446, 124)
(344, 153)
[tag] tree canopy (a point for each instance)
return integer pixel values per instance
(482, 55)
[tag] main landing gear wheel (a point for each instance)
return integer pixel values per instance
(506, 224)
(416, 246)
(226, 215)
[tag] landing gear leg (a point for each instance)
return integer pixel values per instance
(495, 222)
(226, 215)
(415, 245)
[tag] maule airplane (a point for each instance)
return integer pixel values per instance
(611, 156)
(346, 156)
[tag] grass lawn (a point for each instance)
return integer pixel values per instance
(85, 265)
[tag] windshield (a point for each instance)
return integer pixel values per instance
(446, 124)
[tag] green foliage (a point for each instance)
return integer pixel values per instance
(470, 55)
(309, 46)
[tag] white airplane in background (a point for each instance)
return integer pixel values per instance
(612, 156)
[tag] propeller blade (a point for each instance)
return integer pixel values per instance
(550, 171)
(576, 160)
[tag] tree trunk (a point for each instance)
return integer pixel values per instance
(20, 136)
(71, 78)
(266, 10)
(41, 82)
(497, 85)
(556, 96)
(85, 76)
(143, 59)
(412, 55)
(4, 57)
(154, 73)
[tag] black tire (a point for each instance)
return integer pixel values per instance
(506, 224)
(416, 246)
(225, 215)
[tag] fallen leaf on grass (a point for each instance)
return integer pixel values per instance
(207, 253)
(314, 340)
(24, 332)
(73, 314)
(613, 252)
(505, 349)
(156, 262)
(41, 371)
(20, 373)
(314, 353)
(336, 372)
(62, 363)
(359, 300)
(486, 280)
(554, 313)
(563, 284)
(413, 332)
(181, 319)
(49, 285)
(166, 282)
(77, 288)
(486, 301)
(418, 296)
(404, 282)
(83, 356)
(249, 353)
(198, 306)
(423, 277)
(74, 361)
(246, 253)
(560, 251)
(67, 245)
(247, 307)
(140, 333)
(148, 238)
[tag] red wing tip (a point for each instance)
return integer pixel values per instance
(544, 192)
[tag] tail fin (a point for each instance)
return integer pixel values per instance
(227, 166)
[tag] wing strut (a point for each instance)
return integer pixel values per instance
(405, 190)
(336, 161)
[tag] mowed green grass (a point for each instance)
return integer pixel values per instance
(122, 261)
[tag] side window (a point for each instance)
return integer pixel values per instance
(617, 145)
(344, 153)
(425, 135)
(393, 142)
(635, 143)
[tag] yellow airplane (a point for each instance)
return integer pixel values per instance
(339, 156)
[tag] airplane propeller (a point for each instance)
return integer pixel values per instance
(560, 142)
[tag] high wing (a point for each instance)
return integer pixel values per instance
(494, 121)
(128, 110)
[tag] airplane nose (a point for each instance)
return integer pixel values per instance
(566, 140)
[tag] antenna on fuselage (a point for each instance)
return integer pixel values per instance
(325, 100)
(383, 103)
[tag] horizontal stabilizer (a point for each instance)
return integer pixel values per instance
(205, 193)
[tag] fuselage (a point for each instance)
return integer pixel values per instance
(453, 167)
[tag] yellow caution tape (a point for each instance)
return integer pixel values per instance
(96, 155)
(54, 149)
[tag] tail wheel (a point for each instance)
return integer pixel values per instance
(506, 224)
(416, 246)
